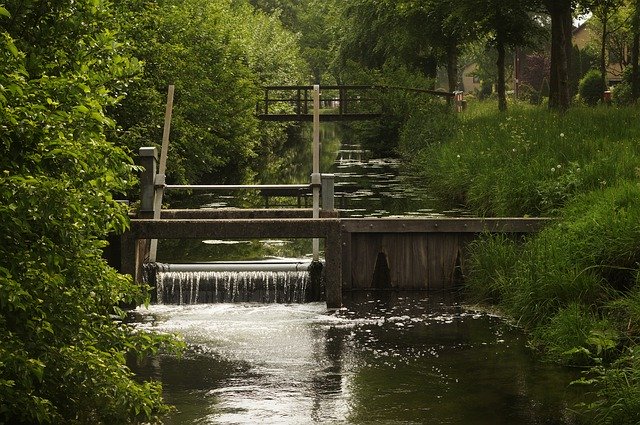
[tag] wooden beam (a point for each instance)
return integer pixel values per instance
(452, 225)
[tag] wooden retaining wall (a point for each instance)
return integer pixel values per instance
(360, 254)
(415, 253)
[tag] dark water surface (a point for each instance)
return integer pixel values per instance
(412, 360)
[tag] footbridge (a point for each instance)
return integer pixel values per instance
(339, 102)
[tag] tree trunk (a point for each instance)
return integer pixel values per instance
(452, 66)
(502, 96)
(603, 55)
(560, 13)
(635, 54)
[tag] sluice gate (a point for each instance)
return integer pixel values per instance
(399, 254)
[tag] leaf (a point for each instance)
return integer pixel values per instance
(4, 12)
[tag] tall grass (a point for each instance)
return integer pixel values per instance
(528, 161)
(575, 287)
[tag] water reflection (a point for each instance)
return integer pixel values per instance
(397, 361)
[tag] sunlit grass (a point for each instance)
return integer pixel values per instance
(529, 160)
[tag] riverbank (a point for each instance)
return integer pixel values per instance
(575, 286)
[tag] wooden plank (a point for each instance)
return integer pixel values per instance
(346, 260)
(440, 225)
(239, 213)
(229, 229)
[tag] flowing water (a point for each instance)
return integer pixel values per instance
(411, 360)
(385, 359)
(188, 287)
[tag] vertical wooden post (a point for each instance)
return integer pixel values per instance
(266, 101)
(149, 163)
(315, 177)
(328, 202)
(298, 103)
(159, 180)
(333, 266)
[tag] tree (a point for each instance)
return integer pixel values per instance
(604, 11)
(635, 51)
(507, 23)
(561, 14)
(62, 357)
(218, 54)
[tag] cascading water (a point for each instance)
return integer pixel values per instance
(205, 286)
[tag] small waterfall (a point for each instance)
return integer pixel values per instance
(193, 287)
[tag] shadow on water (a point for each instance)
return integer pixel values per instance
(407, 359)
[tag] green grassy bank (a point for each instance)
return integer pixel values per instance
(575, 287)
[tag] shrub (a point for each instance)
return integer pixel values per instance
(622, 94)
(591, 88)
(64, 342)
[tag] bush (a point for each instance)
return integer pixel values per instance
(64, 342)
(591, 88)
(622, 94)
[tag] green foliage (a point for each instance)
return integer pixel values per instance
(218, 54)
(403, 112)
(575, 288)
(62, 359)
(491, 261)
(575, 336)
(616, 390)
(591, 88)
(552, 157)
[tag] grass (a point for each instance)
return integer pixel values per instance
(575, 287)
(528, 161)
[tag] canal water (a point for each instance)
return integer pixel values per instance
(385, 359)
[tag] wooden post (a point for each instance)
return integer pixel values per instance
(149, 163)
(333, 266)
(328, 202)
(159, 180)
(266, 101)
(315, 177)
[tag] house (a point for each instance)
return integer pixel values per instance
(470, 82)
(617, 59)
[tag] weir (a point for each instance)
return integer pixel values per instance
(237, 281)
(193, 287)
(360, 254)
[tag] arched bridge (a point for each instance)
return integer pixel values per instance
(339, 102)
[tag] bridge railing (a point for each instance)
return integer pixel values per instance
(149, 183)
(338, 102)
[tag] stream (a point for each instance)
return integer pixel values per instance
(384, 359)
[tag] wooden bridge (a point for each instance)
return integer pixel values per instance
(339, 102)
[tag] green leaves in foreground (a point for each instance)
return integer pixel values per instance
(62, 357)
